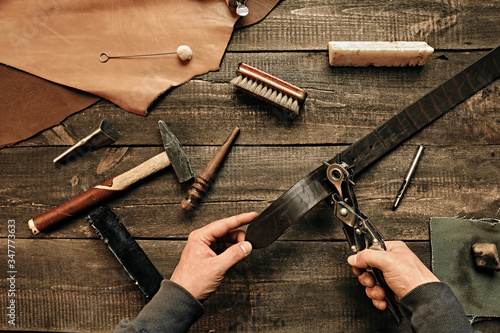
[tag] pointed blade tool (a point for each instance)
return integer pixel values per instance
(176, 155)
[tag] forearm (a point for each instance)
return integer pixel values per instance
(432, 307)
(172, 309)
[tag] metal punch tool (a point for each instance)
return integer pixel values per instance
(360, 232)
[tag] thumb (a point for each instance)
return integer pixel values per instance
(234, 254)
(369, 258)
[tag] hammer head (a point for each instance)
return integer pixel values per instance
(175, 153)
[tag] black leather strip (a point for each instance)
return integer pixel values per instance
(130, 255)
(313, 188)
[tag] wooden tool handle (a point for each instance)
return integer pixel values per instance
(98, 194)
(194, 194)
(272, 81)
(202, 181)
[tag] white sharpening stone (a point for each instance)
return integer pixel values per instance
(380, 54)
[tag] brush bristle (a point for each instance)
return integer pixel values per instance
(265, 92)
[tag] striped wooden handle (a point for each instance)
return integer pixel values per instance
(97, 194)
(205, 177)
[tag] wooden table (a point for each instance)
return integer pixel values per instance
(68, 281)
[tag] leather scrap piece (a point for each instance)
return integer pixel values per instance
(62, 40)
(453, 262)
(30, 104)
(257, 11)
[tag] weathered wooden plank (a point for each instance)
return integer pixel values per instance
(70, 286)
(343, 105)
(280, 288)
(288, 287)
(307, 25)
(450, 181)
(301, 283)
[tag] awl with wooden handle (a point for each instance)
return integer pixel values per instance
(173, 155)
(202, 181)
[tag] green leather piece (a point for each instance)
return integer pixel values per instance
(453, 263)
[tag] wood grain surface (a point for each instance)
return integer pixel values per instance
(68, 281)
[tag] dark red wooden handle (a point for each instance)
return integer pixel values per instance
(70, 208)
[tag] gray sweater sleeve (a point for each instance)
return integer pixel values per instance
(172, 309)
(432, 307)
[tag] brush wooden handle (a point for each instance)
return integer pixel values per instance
(203, 180)
(98, 194)
(272, 81)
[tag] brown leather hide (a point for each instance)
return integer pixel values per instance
(30, 104)
(61, 40)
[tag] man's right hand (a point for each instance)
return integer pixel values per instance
(402, 270)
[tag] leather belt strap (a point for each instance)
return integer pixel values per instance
(313, 188)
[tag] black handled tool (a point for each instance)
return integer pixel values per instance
(359, 231)
(126, 250)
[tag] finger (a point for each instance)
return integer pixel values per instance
(235, 236)
(367, 280)
(233, 255)
(370, 258)
(358, 271)
(376, 293)
(380, 304)
(240, 236)
(220, 228)
(395, 245)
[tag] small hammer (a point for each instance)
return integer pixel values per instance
(174, 155)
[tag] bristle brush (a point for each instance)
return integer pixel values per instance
(269, 88)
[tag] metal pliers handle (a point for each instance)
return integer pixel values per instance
(360, 232)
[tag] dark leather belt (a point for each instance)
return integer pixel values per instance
(313, 188)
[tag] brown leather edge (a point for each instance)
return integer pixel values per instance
(257, 11)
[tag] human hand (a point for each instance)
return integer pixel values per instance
(402, 270)
(209, 252)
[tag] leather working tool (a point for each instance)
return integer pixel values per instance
(173, 155)
(360, 232)
(315, 187)
(409, 175)
(103, 135)
(269, 88)
(130, 255)
(184, 53)
(205, 177)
